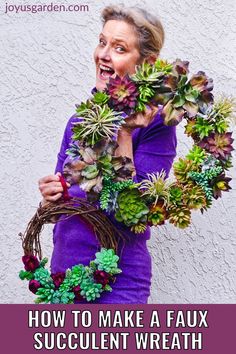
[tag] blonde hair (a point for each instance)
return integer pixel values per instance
(148, 27)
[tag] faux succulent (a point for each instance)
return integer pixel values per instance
(219, 145)
(78, 283)
(156, 187)
(97, 122)
(131, 208)
(123, 94)
(94, 163)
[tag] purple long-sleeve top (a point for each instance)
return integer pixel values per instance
(154, 149)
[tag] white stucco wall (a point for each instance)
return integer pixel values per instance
(46, 68)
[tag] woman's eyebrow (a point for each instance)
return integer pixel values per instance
(115, 39)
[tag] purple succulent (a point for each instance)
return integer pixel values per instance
(31, 263)
(34, 285)
(123, 94)
(219, 145)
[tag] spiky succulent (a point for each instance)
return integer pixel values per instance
(139, 228)
(219, 145)
(123, 94)
(223, 110)
(180, 216)
(131, 209)
(163, 66)
(98, 122)
(156, 187)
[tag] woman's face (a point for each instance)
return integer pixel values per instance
(117, 52)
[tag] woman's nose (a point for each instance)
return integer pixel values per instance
(104, 53)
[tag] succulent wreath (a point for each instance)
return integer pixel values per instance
(107, 178)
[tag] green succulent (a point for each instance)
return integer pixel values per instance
(176, 195)
(107, 261)
(110, 192)
(197, 155)
(194, 197)
(157, 214)
(65, 297)
(204, 178)
(45, 294)
(147, 74)
(203, 127)
(100, 98)
(43, 276)
(163, 66)
(90, 290)
(26, 275)
(131, 208)
(182, 168)
(145, 93)
(180, 216)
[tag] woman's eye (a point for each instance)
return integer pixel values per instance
(120, 49)
(102, 42)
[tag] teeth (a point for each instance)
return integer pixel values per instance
(105, 68)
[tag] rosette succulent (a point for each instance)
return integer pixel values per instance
(94, 164)
(157, 214)
(180, 216)
(90, 290)
(220, 184)
(219, 145)
(194, 197)
(123, 94)
(131, 208)
(196, 154)
(182, 168)
(107, 261)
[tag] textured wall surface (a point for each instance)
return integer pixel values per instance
(46, 68)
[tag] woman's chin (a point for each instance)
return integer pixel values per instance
(100, 86)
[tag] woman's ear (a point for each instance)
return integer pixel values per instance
(151, 59)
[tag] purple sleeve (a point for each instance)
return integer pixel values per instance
(155, 149)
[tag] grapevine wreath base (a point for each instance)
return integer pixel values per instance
(108, 181)
(80, 282)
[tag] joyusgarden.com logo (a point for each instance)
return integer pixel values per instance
(37, 8)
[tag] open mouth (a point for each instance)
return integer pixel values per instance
(105, 72)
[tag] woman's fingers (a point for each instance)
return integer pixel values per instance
(50, 187)
(54, 198)
(49, 178)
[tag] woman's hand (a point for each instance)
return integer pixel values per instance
(140, 119)
(50, 187)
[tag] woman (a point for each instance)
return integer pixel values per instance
(129, 36)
